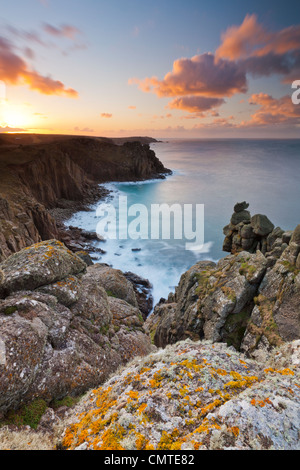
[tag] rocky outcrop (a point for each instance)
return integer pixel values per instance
(143, 292)
(193, 396)
(212, 302)
(64, 326)
(41, 174)
(249, 300)
(246, 233)
(276, 315)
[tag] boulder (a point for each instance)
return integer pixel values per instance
(241, 206)
(38, 265)
(276, 317)
(114, 282)
(296, 235)
(64, 334)
(238, 217)
(261, 225)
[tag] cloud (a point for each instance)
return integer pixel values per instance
(67, 31)
(131, 107)
(3, 130)
(200, 75)
(240, 41)
(195, 104)
(85, 129)
(253, 39)
(106, 115)
(259, 51)
(249, 48)
(14, 70)
(31, 36)
(273, 111)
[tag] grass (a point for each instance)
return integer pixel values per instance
(28, 415)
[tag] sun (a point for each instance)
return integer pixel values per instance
(14, 116)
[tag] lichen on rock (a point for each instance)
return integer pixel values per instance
(192, 395)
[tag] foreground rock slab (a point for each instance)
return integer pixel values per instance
(194, 395)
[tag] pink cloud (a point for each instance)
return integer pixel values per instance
(106, 115)
(200, 75)
(85, 129)
(273, 111)
(259, 51)
(14, 70)
(240, 41)
(253, 39)
(67, 31)
(3, 130)
(196, 104)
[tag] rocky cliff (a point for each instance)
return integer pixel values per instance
(249, 299)
(38, 173)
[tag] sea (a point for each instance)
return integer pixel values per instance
(209, 177)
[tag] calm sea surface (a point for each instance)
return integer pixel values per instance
(217, 174)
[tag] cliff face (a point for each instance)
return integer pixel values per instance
(39, 172)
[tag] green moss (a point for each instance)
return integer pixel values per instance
(268, 328)
(246, 269)
(66, 401)
(110, 294)
(292, 268)
(28, 415)
(203, 283)
(104, 329)
(10, 310)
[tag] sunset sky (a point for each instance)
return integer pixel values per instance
(163, 68)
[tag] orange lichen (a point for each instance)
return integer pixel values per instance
(101, 428)
(234, 430)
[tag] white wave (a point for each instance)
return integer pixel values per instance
(205, 248)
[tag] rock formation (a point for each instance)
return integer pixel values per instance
(64, 326)
(246, 233)
(249, 300)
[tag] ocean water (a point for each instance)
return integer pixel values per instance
(214, 174)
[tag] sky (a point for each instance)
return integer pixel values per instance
(161, 68)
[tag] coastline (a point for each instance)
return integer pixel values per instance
(45, 179)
